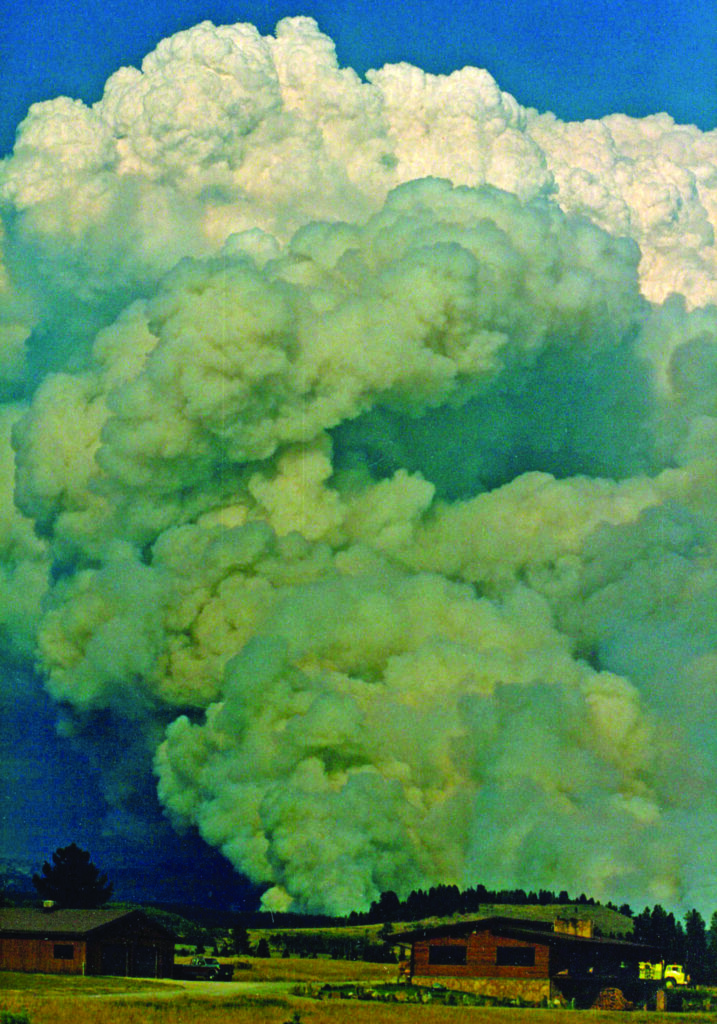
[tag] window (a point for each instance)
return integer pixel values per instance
(515, 956)
(64, 952)
(447, 956)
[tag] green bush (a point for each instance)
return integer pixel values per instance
(10, 1017)
(698, 1000)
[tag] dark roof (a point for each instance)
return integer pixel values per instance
(474, 924)
(519, 928)
(66, 922)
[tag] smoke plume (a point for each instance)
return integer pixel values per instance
(358, 457)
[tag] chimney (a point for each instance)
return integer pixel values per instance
(582, 927)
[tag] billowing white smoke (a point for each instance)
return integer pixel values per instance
(357, 449)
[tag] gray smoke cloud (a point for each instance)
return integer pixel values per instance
(358, 453)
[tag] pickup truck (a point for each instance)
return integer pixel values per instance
(204, 968)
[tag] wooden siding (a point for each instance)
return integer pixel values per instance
(480, 957)
(38, 954)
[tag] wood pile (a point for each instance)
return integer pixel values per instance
(611, 999)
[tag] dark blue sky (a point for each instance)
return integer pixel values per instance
(579, 58)
(51, 795)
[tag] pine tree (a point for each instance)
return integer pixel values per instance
(240, 937)
(72, 880)
(712, 951)
(658, 928)
(696, 946)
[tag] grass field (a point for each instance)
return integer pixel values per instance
(77, 1009)
(57, 1000)
(298, 970)
(280, 1010)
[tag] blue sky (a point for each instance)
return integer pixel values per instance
(51, 795)
(580, 58)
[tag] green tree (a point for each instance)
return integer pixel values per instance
(659, 928)
(388, 907)
(696, 946)
(4, 898)
(712, 951)
(241, 940)
(72, 880)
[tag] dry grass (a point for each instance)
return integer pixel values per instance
(179, 1010)
(276, 1010)
(323, 970)
(67, 1000)
(341, 931)
(273, 969)
(69, 985)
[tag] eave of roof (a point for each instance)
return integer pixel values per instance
(473, 924)
(62, 921)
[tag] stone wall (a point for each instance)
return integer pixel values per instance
(530, 990)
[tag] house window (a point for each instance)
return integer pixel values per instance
(515, 956)
(64, 952)
(447, 956)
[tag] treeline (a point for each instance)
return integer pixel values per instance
(447, 900)
(372, 946)
(691, 943)
(339, 947)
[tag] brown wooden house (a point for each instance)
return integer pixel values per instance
(508, 957)
(60, 941)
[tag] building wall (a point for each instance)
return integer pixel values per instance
(481, 954)
(47, 956)
(529, 990)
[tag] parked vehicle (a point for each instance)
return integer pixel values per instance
(671, 974)
(204, 968)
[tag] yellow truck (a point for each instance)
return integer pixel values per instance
(670, 974)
